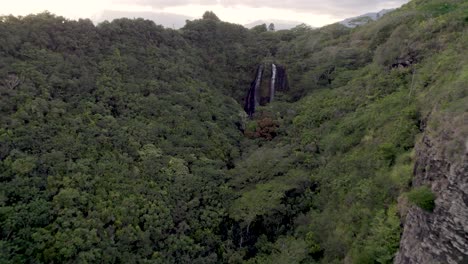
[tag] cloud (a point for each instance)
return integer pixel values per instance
(167, 3)
(313, 12)
(332, 7)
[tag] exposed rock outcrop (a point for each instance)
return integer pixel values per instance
(440, 236)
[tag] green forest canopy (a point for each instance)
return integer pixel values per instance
(124, 142)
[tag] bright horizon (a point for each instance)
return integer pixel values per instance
(313, 12)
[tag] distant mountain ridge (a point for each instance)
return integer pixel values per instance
(279, 24)
(177, 21)
(353, 22)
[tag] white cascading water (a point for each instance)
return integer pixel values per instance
(273, 80)
(258, 82)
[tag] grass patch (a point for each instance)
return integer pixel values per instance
(422, 197)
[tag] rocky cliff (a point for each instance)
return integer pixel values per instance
(440, 236)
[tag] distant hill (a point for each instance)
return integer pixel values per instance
(279, 24)
(176, 21)
(364, 19)
(349, 22)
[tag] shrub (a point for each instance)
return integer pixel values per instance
(422, 197)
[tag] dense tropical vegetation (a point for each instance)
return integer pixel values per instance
(127, 142)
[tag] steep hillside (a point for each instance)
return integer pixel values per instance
(128, 142)
(114, 141)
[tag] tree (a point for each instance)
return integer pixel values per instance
(271, 27)
(210, 15)
(260, 28)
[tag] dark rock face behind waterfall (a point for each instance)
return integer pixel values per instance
(268, 80)
(282, 83)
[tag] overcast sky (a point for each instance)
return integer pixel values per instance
(312, 12)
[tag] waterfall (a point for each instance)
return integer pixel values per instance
(254, 94)
(258, 83)
(263, 86)
(273, 80)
